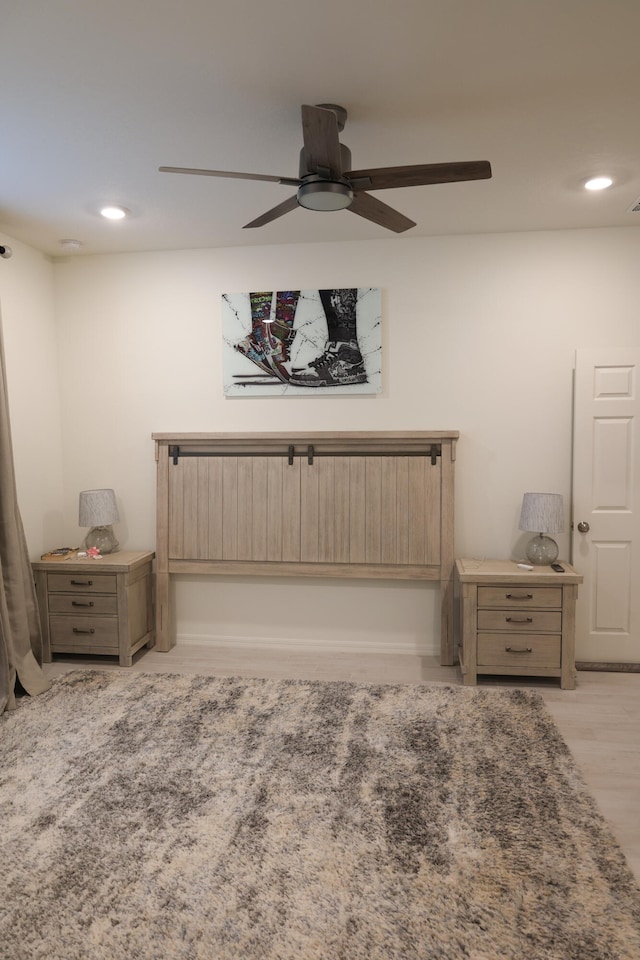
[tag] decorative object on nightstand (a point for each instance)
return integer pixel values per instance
(98, 607)
(542, 513)
(98, 509)
(60, 553)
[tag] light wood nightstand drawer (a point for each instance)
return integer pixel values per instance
(524, 650)
(77, 606)
(82, 582)
(84, 634)
(525, 596)
(526, 621)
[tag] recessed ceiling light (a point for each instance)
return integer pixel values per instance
(114, 213)
(598, 183)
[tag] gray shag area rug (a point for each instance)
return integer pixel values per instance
(156, 817)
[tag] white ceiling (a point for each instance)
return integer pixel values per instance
(95, 96)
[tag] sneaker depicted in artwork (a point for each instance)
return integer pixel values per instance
(268, 344)
(339, 365)
(252, 349)
(278, 337)
(253, 346)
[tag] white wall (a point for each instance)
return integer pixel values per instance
(479, 336)
(28, 322)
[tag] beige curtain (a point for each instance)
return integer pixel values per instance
(20, 637)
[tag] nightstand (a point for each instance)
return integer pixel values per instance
(100, 607)
(515, 622)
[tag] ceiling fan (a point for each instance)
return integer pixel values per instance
(327, 182)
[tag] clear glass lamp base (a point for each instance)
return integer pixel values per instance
(542, 550)
(103, 539)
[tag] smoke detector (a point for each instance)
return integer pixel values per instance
(635, 207)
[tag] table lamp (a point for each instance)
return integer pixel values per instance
(542, 512)
(98, 509)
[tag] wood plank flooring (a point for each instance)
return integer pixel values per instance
(599, 720)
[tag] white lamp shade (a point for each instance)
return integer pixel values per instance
(97, 508)
(542, 513)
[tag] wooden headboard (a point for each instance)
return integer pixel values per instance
(361, 505)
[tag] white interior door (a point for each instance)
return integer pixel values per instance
(606, 513)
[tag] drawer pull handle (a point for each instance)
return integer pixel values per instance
(518, 650)
(82, 583)
(519, 619)
(518, 596)
(79, 630)
(81, 603)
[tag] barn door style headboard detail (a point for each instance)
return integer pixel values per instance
(360, 505)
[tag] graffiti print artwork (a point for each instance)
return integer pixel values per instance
(314, 342)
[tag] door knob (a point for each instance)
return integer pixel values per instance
(583, 526)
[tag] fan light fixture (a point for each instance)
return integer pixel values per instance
(324, 195)
(98, 509)
(542, 512)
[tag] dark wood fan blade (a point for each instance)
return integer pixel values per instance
(384, 178)
(321, 143)
(289, 181)
(285, 207)
(373, 209)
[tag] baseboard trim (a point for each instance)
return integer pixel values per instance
(305, 645)
(607, 667)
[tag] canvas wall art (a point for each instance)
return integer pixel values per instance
(293, 342)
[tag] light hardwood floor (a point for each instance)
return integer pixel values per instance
(599, 720)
